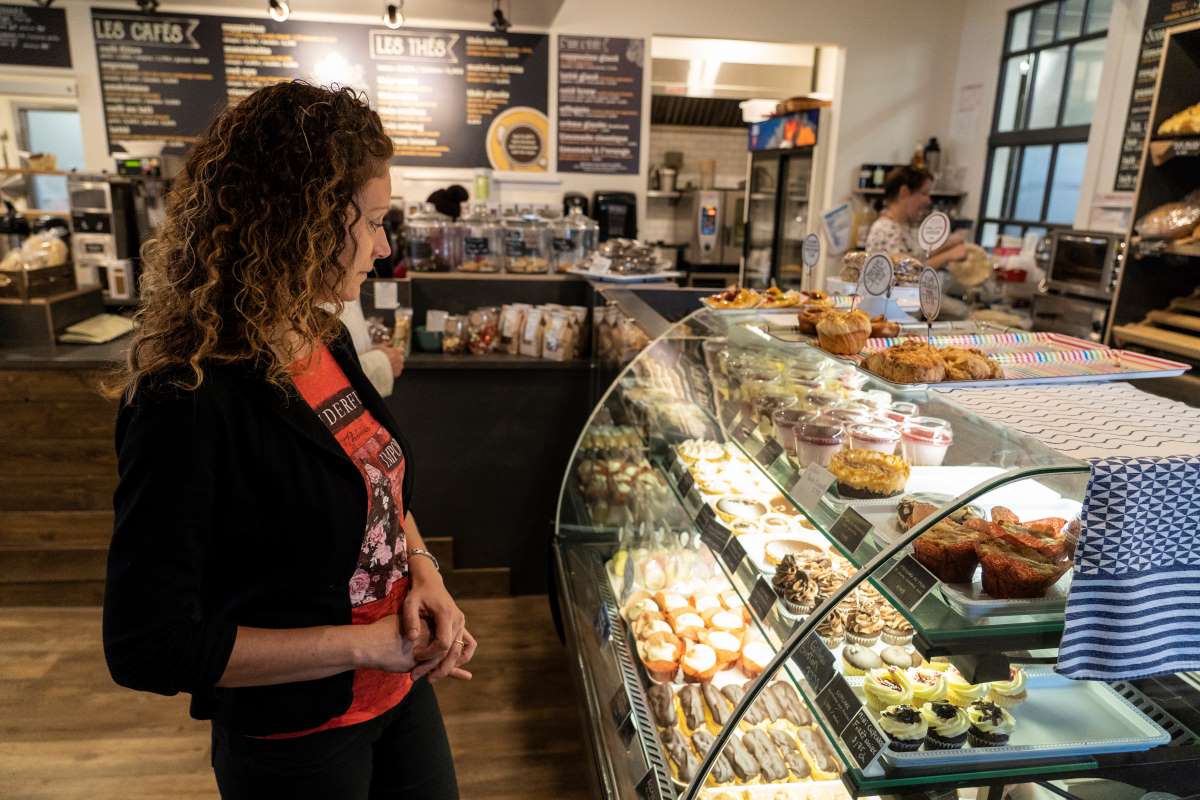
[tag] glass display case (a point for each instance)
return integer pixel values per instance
(776, 581)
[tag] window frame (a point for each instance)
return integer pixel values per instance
(1020, 139)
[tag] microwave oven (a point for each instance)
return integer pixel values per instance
(1085, 263)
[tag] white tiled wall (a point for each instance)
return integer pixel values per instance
(726, 145)
(672, 222)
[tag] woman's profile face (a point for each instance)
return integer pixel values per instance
(366, 239)
(915, 204)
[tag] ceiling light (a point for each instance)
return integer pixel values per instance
(279, 10)
(393, 15)
(500, 23)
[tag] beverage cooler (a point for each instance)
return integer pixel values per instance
(778, 189)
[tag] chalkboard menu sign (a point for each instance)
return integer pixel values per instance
(448, 98)
(1160, 15)
(32, 36)
(600, 104)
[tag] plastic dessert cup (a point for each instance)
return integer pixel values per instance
(879, 438)
(787, 421)
(925, 440)
(817, 441)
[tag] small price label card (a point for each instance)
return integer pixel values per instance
(733, 555)
(762, 599)
(850, 529)
(811, 486)
(909, 582)
(815, 661)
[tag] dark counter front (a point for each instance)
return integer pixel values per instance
(491, 434)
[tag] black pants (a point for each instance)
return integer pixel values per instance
(402, 755)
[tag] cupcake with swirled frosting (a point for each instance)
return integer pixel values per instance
(928, 685)
(887, 686)
(960, 691)
(905, 726)
(991, 725)
(948, 725)
(1010, 693)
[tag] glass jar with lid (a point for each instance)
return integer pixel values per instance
(427, 240)
(482, 240)
(570, 237)
(526, 243)
(454, 338)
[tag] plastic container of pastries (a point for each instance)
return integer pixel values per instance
(887, 686)
(699, 663)
(731, 508)
(660, 654)
(869, 474)
(754, 658)
(687, 623)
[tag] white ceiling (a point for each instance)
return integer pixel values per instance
(468, 13)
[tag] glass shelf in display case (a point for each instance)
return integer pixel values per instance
(744, 590)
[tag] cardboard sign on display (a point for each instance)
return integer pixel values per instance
(934, 231)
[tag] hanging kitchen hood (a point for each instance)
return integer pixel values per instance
(705, 112)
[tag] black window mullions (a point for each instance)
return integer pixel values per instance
(1049, 182)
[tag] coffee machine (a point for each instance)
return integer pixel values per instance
(110, 216)
(575, 200)
(616, 215)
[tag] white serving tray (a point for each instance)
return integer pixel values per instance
(615, 277)
(972, 602)
(1060, 719)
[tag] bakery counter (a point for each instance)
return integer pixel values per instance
(496, 361)
(790, 584)
(65, 356)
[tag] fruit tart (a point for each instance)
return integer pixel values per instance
(733, 297)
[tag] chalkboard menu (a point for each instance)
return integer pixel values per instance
(450, 98)
(600, 104)
(31, 36)
(1160, 15)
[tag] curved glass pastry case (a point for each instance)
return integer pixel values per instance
(777, 580)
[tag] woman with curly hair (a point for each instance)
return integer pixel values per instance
(265, 558)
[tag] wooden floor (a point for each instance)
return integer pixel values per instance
(68, 733)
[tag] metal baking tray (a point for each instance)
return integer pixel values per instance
(1099, 721)
(1028, 359)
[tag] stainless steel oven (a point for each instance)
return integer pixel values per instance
(1085, 263)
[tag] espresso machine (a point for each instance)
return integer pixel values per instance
(616, 215)
(110, 217)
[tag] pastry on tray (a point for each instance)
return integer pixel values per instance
(797, 588)
(686, 622)
(661, 698)
(699, 663)
(869, 473)
(1010, 693)
(894, 656)
(947, 723)
(774, 297)
(832, 629)
(723, 619)
(911, 361)
(897, 630)
(824, 762)
(948, 551)
(961, 691)
(928, 685)
(733, 509)
(969, 364)
(745, 766)
(817, 297)
(767, 754)
(733, 297)
(843, 333)
(660, 653)
(691, 709)
(1014, 568)
(991, 725)
(722, 770)
(809, 316)
(887, 686)
(734, 692)
(683, 760)
(793, 756)
(883, 328)
(726, 645)
(754, 659)
(794, 711)
(905, 727)
(863, 626)
(774, 552)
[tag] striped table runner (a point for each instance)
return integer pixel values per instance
(1134, 605)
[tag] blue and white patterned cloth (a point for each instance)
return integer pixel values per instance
(1134, 605)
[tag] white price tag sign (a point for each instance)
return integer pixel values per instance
(930, 288)
(877, 275)
(385, 295)
(811, 251)
(934, 231)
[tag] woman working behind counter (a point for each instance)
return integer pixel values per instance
(906, 202)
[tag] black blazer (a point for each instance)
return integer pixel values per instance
(235, 506)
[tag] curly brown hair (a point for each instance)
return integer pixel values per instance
(255, 226)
